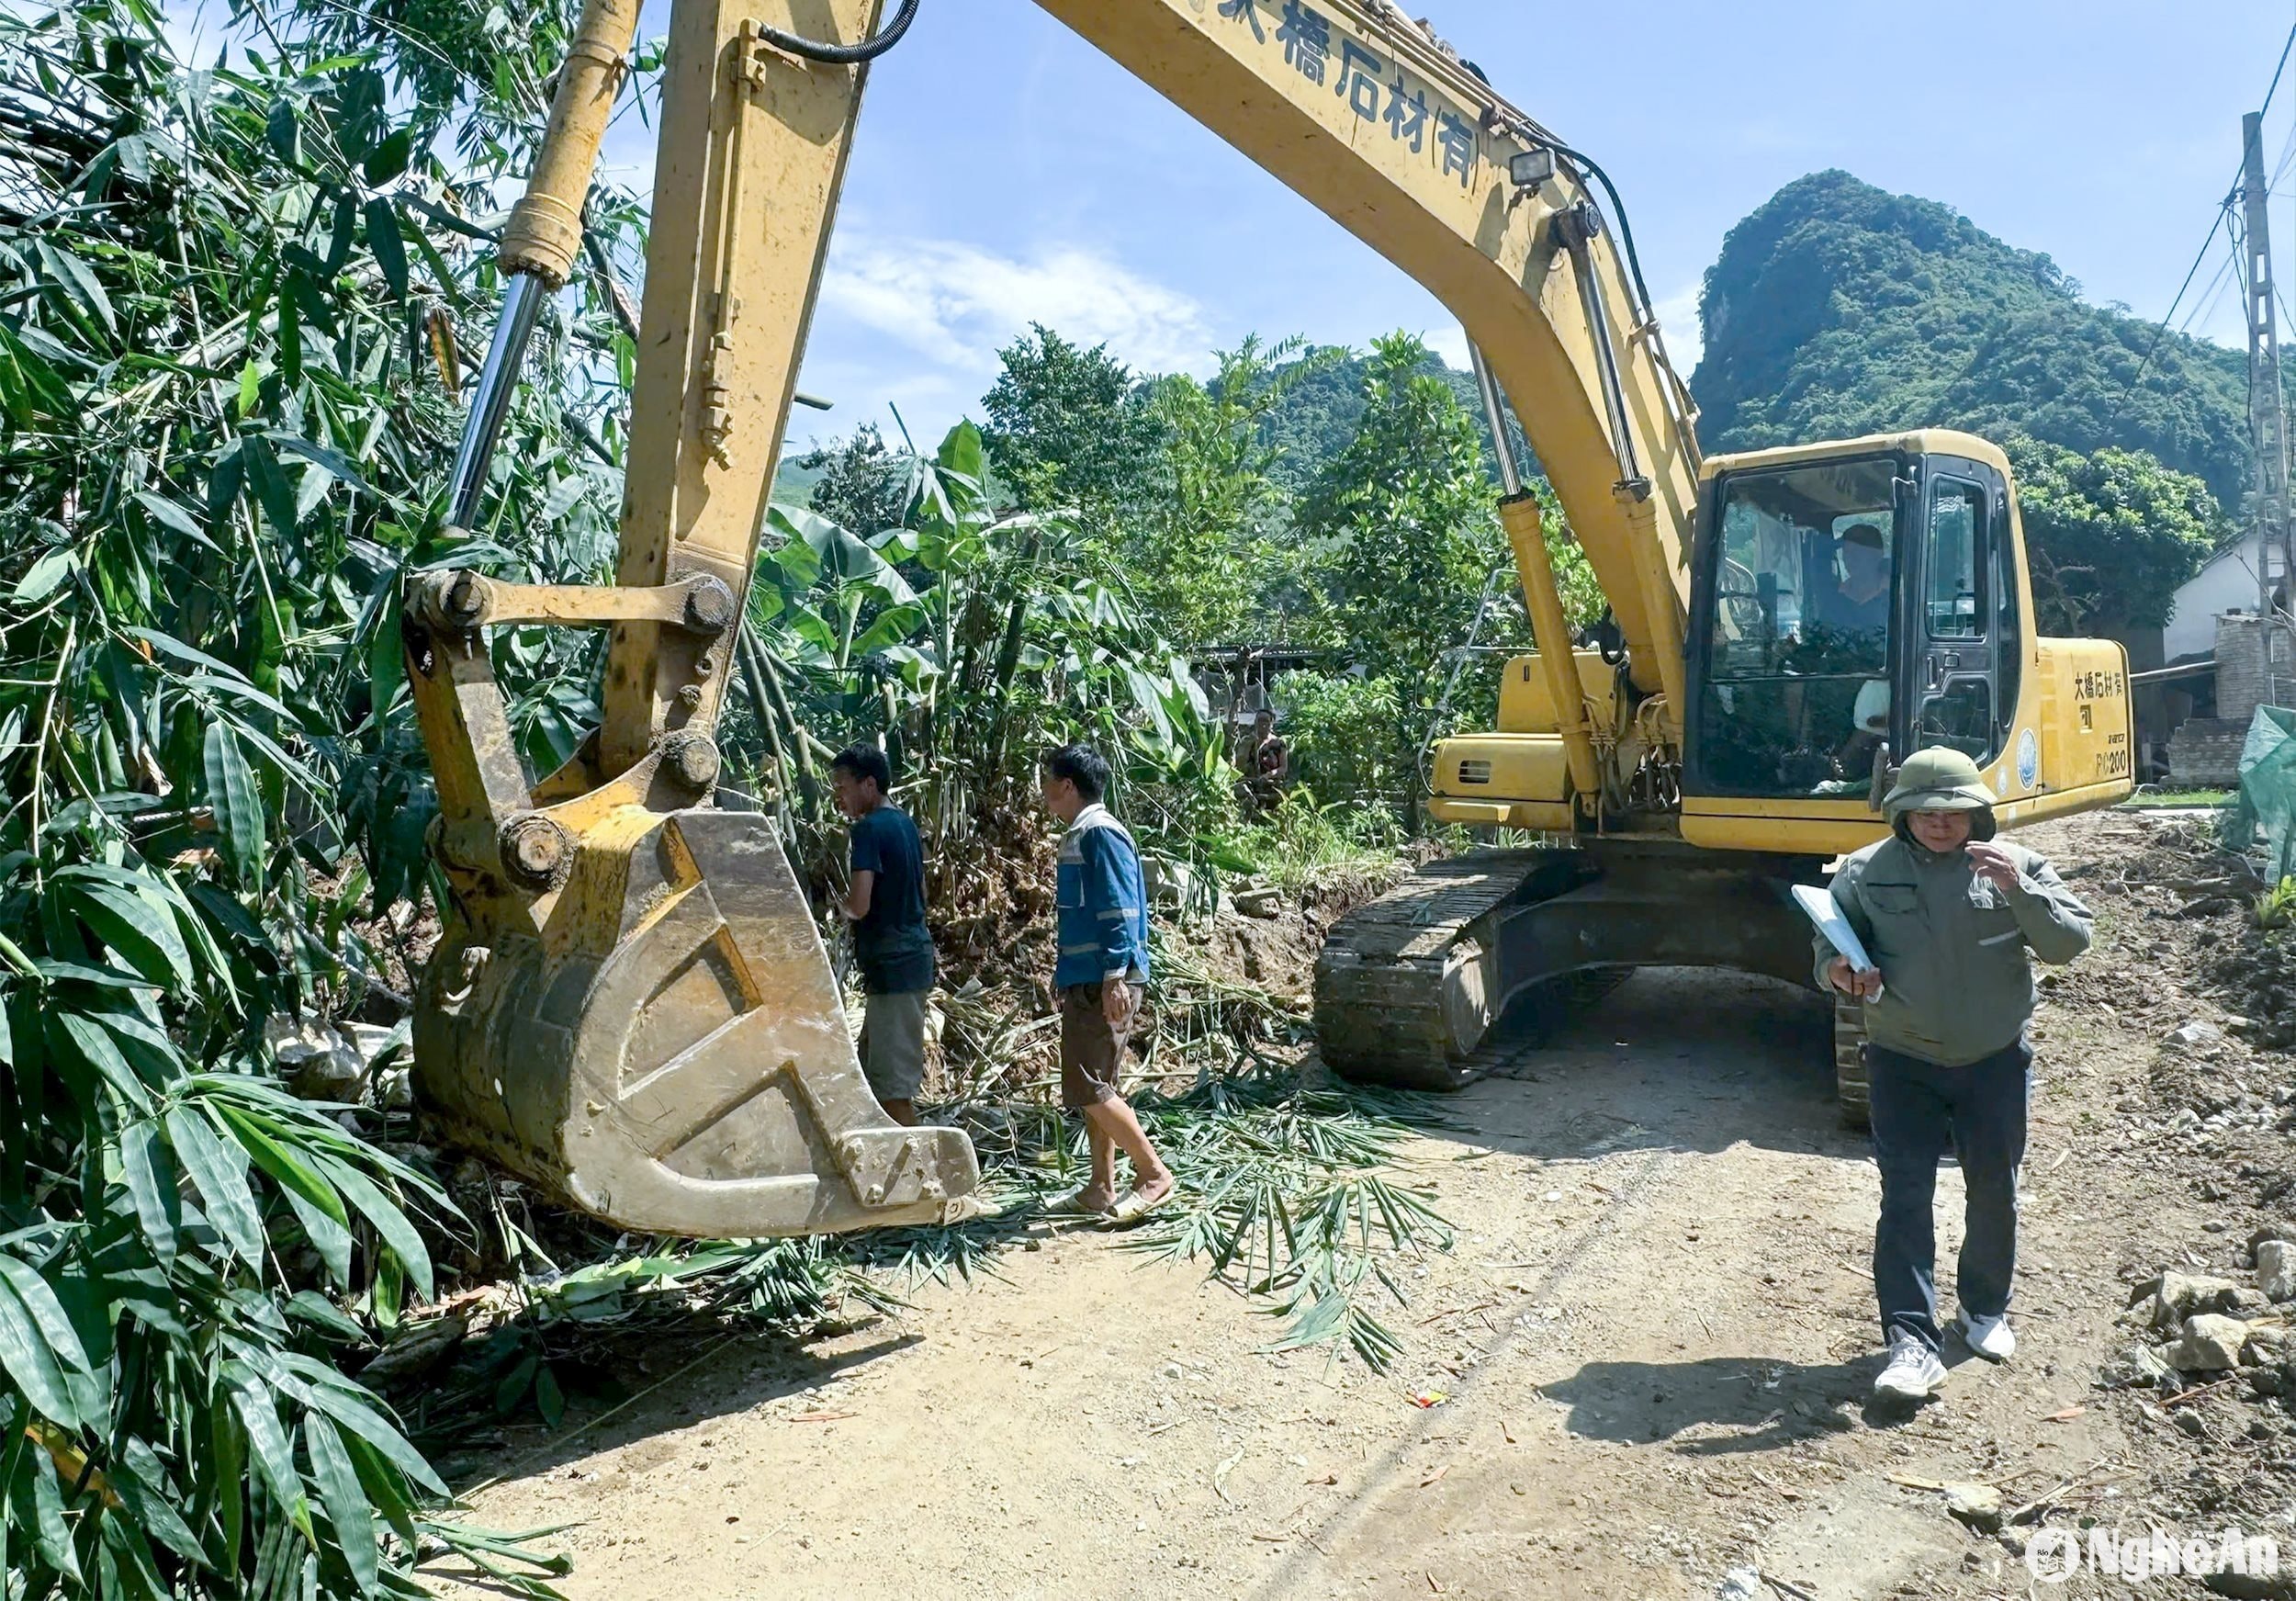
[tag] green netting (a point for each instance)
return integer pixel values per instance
(2267, 790)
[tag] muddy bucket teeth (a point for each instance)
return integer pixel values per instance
(659, 1042)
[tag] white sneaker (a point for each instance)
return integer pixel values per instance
(1913, 1372)
(1990, 1337)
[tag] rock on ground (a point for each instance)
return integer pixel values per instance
(2209, 1343)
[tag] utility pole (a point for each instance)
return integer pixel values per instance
(2267, 413)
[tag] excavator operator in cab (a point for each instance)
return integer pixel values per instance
(1861, 602)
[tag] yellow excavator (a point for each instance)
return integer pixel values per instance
(631, 1005)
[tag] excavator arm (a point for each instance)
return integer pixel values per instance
(630, 1004)
(1373, 121)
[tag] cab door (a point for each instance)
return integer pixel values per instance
(1952, 627)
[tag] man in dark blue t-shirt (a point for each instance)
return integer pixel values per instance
(886, 904)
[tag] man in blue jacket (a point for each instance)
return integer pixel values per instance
(1102, 969)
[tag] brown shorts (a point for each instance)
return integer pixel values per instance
(1092, 1053)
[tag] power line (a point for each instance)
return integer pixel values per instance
(2204, 304)
(2161, 332)
(2277, 71)
(2224, 211)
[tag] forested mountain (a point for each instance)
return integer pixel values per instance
(1319, 415)
(1837, 309)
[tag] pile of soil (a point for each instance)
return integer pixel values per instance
(2180, 959)
(1275, 951)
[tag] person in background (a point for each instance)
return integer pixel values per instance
(1100, 976)
(886, 902)
(1269, 764)
(1951, 919)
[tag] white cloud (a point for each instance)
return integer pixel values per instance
(1678, 318)
(1448, 340)
(956, 304)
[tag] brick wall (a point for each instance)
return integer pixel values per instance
(2244, 679)
(2204, 752)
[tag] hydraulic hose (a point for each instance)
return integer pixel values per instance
(868, 49)
(1626, 230)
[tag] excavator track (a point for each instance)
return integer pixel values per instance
(1852, 1085)
(1407, 987)
(1403, 989)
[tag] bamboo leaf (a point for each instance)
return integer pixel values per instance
(28, 1355)
(31, 392)
(33, 1491)
(227, 1461)
(339, 1492)
(389, 244)
(273, 492)
(284, 130)
(390, 1221)
(49, 573)
(75, 1037)
(143, 1487)
(325, 458)
(219, 1172)
(328, 1236)
(136, 930)
(389, 158)
(293, 1174)
(387, 663)
(385, 1490)
(151, 1186)
(237, 805)
(367, 1424)
(79, 285)
(126, 1561)
(275, 1463)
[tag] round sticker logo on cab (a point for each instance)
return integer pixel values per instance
(2027, 758)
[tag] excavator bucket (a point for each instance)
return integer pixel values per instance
(670, 1054)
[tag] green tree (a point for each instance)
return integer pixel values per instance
(2109, 535)
(1406, 508)
(1072, 427)
(1414, 560)
(1200, 556)
(862, 485)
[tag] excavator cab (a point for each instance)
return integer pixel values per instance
(1856, 601)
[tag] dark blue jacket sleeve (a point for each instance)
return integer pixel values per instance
(1111, 875)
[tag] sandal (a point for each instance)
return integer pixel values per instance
(1135, 1206)
(1073, 1204)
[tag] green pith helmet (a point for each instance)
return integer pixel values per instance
(1941, 779)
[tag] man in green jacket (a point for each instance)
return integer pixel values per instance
(1952, 918)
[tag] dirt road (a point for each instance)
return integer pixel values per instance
(1656, 1335)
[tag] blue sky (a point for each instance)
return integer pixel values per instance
(1005, 171)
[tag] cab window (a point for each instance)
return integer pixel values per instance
(1952, 593)
(1796, 691)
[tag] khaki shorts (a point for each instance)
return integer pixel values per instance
(893, 1044)
(1092, 1052)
